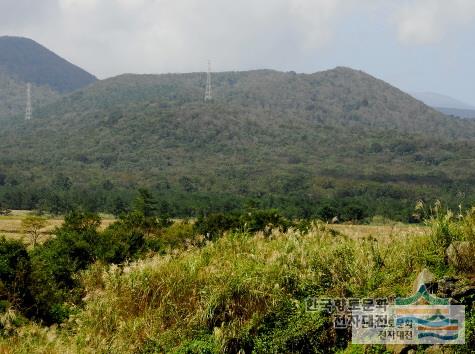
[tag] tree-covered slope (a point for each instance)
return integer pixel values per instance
(288, 140)
(13, 96)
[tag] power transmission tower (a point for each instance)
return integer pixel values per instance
(208, 94)
(29, 111)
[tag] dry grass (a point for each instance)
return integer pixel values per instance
(10, 226)
(222, 289)
(380, 231)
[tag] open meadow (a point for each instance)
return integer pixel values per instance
(11, 227)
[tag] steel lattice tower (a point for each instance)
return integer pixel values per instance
(29, 111)
(208, 94)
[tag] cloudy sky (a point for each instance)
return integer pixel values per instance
(417, 45)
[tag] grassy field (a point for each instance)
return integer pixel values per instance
(384, 231)
(10, 226)
(238, 292)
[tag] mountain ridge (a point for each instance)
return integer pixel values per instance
(438, 100)
(281, 138)
(28, 61)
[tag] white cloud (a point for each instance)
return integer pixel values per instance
(429, 21)
(179, 35)
(109, 37)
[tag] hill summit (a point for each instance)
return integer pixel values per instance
(27, 61)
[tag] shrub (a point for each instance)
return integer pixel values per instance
(14, 274)
(177, 235)
(125, 239)
(56, 263)
(327, 213)
(264, 220)
(254, 220)
(290, 329)
(214, 225)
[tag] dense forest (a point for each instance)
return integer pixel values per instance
(306, 144)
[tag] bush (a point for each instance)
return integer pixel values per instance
(175, 236)
(254, 220)
(353, 213)
(119, 244)
(56, 263)
(264, 220)
(214, 225)
(291, 329)
(14, 274)
(327, 213)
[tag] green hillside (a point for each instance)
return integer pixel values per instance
(294, 141)
(13, 96)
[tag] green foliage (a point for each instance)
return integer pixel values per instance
(80, 221)
(31, 226)
(174, 236)
(291, 329)
(14, 274)
(198, 346)
(238, 292)
(145, 203)
(264, 220)
(297, 143)
(252, 220)
(214, 225)
(4, 211)
(125, 239)
(469, 330)
(56, 263)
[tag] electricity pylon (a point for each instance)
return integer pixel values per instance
(29, 111)
(208, 94)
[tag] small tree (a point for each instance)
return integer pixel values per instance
(4, 211)
(146, 203)
(31, 226)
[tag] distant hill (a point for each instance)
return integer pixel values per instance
(293, 141)
(461, 113)
(445, 104)
(23, 60)
(27, 61)
(437, 100)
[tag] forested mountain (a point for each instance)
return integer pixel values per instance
(23, 60)
(298, 142)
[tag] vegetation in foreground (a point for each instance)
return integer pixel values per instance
(224, 284)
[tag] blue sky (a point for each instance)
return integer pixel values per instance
(417, 45)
